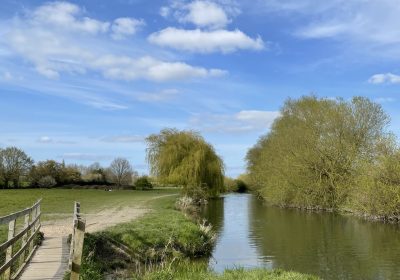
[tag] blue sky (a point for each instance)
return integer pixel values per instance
(88, 80)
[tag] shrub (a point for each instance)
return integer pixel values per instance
(143, 183)
(47, 182)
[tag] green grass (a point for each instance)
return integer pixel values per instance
(58, 203)
(201, 272)
(158, 237)
(61, 200)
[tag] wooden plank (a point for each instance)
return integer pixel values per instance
(19, 235)
(50, 260)
(9, 263)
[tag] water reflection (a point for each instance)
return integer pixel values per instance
(325, 244)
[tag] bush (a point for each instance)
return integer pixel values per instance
(143, 183)
(47, 182)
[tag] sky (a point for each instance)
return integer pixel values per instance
(88, 80)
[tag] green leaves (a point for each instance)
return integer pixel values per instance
(185, 158)
(315, 150)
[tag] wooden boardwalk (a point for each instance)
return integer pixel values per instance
(50, 261)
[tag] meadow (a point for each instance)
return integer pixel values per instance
(58, 203)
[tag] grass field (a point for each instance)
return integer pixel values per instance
(61, 201)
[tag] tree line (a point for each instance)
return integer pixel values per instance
(18, 170)
(329, 154)
(178, 158)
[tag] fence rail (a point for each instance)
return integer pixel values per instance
(78, 235)
(16, 261)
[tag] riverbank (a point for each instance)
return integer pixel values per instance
(163, 244)
(200, 272)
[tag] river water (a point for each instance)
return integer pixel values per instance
(329, 245)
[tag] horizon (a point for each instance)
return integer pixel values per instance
(86, 82)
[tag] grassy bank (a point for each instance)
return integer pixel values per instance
(201, 272)
(162, 245)
(157, 238)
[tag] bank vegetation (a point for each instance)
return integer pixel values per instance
(329, 154)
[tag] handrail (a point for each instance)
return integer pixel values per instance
(16, 215)
(30, 229)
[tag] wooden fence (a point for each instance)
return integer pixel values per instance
(23, 241)
(78, 234)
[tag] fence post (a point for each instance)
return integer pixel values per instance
(33, 217)
(9, 253)
(78, 248)
(77, 239)
(24, 238)
(74, 221)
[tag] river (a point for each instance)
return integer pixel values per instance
(332, 246)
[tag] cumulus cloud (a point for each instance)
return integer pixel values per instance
(243, 121)
(67, 16)
(386, 78)
(126, 68)
(123, 27)
(205, 41)
(205, 14)
(202, 13)
(38, 40)
(210, 35)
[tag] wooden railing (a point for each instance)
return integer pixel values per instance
(78, 235)
(16, 261)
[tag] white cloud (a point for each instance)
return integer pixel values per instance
(387, 78)
(126, 68)
(212, 14)
(123, 27)
(67, 16)
(161, 96)
(205, 41)
(243, 121)
(361, 21)
(205, 14)
(52, 52)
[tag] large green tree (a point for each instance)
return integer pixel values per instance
(14, 164)
(315, 150)
(185, 158)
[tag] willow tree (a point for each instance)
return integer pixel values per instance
(315, 150)
(185, 158)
